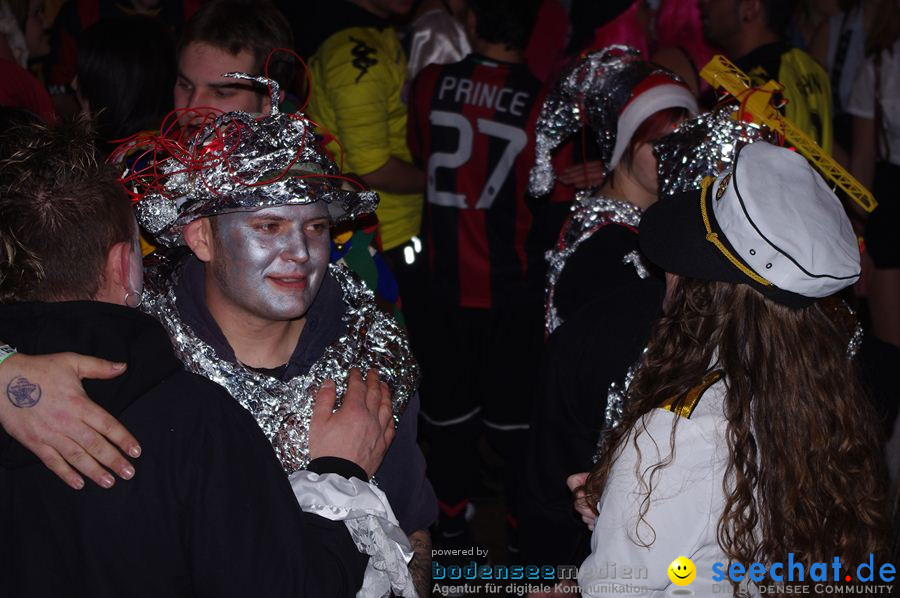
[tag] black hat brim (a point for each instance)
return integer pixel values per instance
(673, 236)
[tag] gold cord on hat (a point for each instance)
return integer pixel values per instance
(714, 237)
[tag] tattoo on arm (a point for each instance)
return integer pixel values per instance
(420, 566)
(21, 392)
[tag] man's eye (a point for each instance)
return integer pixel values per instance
(317, 227)
(265, 227)
(223, 93)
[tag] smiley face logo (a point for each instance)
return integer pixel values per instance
(682, 571)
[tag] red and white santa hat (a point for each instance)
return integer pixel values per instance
(612, 91)
(659, 91)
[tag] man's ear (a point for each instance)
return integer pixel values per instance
(198, 236)
(115, 272)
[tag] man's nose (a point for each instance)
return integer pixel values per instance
(196, 110)
(295, 247)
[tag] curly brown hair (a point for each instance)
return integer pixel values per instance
(802, 441)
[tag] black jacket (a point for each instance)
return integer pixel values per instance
(593, 348)
(210, 511)
(596, 268)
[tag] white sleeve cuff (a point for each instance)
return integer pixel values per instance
(366, 512)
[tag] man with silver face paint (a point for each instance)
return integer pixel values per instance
(267, 264)
(73, 261)
(257, 308)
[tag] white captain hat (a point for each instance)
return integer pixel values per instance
(770, 221)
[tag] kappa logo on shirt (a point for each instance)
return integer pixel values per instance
(363, 57)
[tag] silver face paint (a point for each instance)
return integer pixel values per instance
(270, 263)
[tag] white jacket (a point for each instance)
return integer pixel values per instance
(687, 501)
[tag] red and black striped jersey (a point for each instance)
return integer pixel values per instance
(471, 127)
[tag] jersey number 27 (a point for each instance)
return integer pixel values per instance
(515, 139)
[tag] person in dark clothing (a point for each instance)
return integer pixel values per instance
(601, 297)
(630, 104)
(207, 474)
(212, 512)
(584, 357)
(76, 16)
(400, 476)
(268, 315)
(126, 70)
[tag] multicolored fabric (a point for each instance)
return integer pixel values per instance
(358, 250)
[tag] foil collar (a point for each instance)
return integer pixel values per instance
(283, 409)
(589, 214)
(593, 91)
(238, 162)
(616, 397)
(855, 342)
(637, 261)
(704, 146)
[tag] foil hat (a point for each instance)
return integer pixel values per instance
(595, 91)
(704, 146)
(237, 162)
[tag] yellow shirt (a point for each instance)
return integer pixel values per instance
(358, 79)
(806, 87)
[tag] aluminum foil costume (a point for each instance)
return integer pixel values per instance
(593, 92)
(704, 146)
(239, 162)
(590, 92)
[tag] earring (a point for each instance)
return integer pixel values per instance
(133, 299)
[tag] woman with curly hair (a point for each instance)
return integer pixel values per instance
(746, 437)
